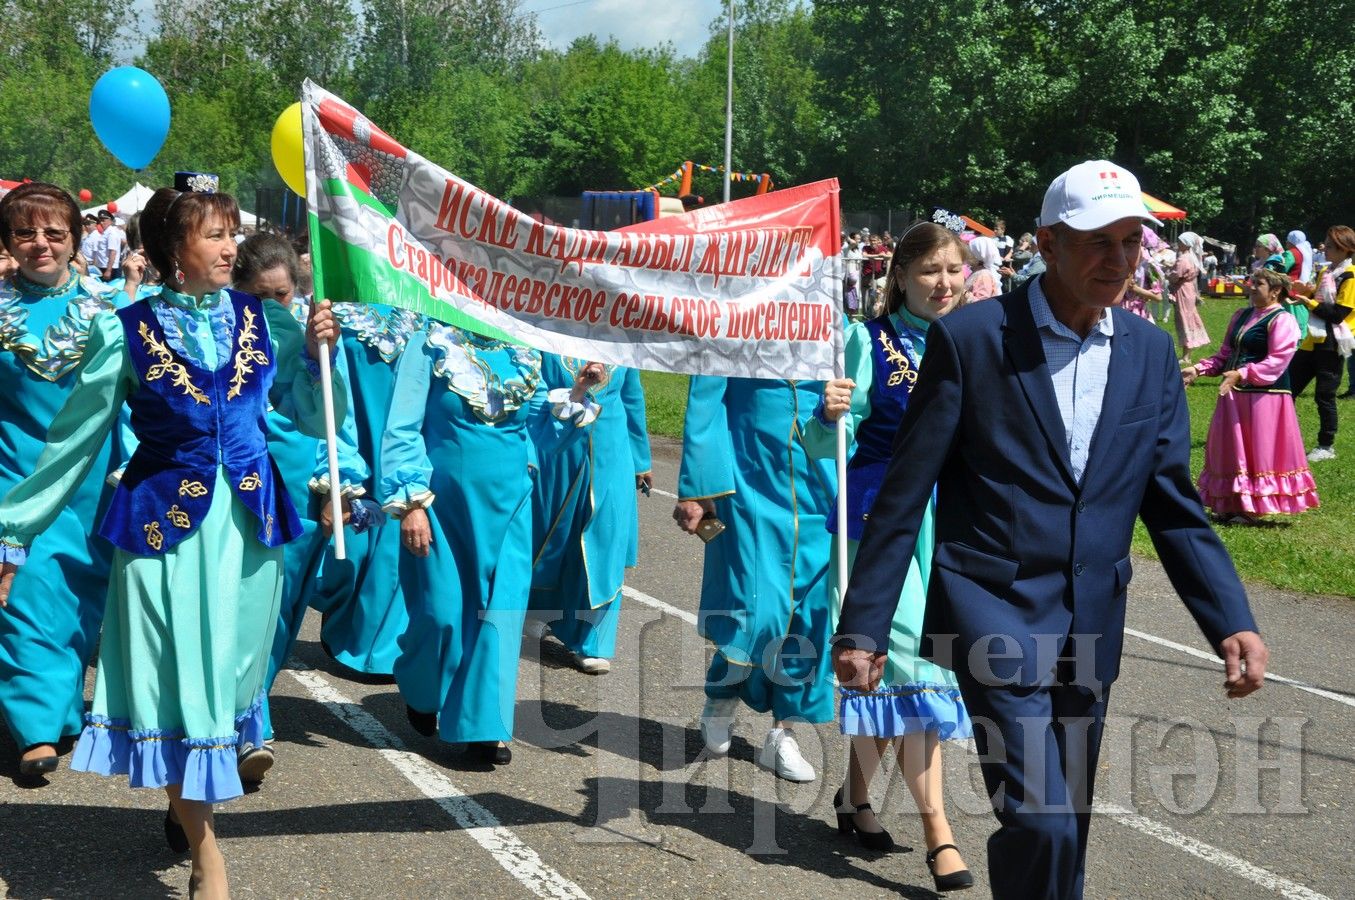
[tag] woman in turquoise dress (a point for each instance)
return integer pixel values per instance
(198, 519)
(363, 623)
(466, 419)
(918, 704)
(48, 635)
(586, 520)
(764, 593)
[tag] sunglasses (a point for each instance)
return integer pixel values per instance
(29, 235)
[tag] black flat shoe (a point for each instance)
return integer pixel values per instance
(846, 824)
(490, 752)
(175, 836)
(952, 881)
(424, 723)
(41, 766)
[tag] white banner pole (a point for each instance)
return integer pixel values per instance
(332, 444)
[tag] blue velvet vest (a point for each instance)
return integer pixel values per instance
(892, 355)
(1253, 345)
(189, 421)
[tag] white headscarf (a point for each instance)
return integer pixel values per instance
(986, 251)
(1300, 240)
(1195, 245)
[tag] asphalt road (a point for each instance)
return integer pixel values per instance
(609, 794)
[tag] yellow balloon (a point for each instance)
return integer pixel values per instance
(288, 157)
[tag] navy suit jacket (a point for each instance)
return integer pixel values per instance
(1022, 550)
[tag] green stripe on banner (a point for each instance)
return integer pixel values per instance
(347, 274)
(337, 187)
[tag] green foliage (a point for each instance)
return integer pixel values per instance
(1240, 111)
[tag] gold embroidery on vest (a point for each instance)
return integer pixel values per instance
(246, 355)
(251, 482)
(153, 535)
(905, 370)
(178, 517)
(168, 366)
(191, 488)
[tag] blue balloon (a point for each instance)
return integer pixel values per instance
(130, 114)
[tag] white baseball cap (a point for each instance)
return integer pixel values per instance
(1093, 194)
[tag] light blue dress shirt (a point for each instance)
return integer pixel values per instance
(1079, 368)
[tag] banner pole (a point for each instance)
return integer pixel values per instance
(326, 370)
(839, 367)
(331, 445)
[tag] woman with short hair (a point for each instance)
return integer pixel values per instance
(198, 519)
(48, 635)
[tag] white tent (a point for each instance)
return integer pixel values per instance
(136, 199)
(133, 201)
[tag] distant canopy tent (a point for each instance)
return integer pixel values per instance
(1162, 209)
(136, 198)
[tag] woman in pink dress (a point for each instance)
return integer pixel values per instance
(1254, 463)
(1183, 280)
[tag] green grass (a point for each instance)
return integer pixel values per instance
(665, 402)
(1311, 552)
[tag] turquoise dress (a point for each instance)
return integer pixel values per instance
(915, 694)
(310, 579)
(365, 616)
(461, 441)
(48, 633)
(765, 600)
(186, 635)
(587, 523)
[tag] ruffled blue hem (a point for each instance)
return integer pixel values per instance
(896, 711)
(13, 553)
(154, 758)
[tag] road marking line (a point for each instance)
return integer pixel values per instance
(519, 860)
(642, 597)
(1221, 858)
(1201, 654)
(1141, 635)
(1210, 854)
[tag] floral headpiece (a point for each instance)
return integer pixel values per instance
(947, 219)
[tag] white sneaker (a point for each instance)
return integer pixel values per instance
(591, 665)
(1318, 454)
(717, 724)
(536, 629)
(781, 754)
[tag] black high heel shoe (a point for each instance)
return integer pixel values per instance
(846, 825)
(952, 881)
(175, 835)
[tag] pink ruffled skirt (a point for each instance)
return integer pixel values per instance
(1254, 462)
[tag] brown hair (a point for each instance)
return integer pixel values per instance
(921, 238)
(261, 252)
(36, 199)
(1343, 238)
(1276, 281)
(171, 218)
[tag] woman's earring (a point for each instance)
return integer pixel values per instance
(178, 273)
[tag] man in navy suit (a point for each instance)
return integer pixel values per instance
(1047, 420)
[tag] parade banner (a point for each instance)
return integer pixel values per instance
(750, 288)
